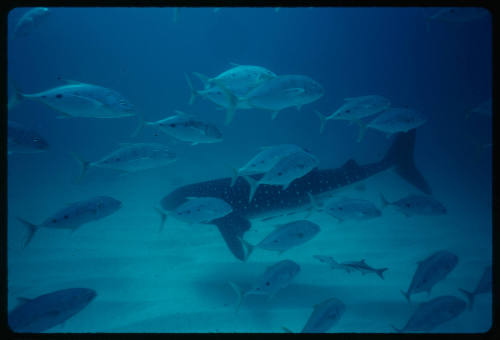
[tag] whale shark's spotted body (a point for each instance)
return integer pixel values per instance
(271, 200)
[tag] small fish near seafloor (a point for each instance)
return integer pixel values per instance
(270, 200)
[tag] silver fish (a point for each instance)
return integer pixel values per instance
(49, 310)
(202, 210)
(131, 157)
(356, 108)
(344, 208)
(285, 171)
(265, 160)
(417, 205)
(430, 271)
(188, 128)
(75, 215)
(29, 21)
(275, 278)
(349, 266)
(24, 140)
(77, 99)
(396, 120)
(483, 286)
(286, 236)
(324, 316)
(431, 314)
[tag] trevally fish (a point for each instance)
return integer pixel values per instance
(285, 171)
(265, 160)
(349, 266)
(279, 93)
(187, 128)
(483, 286)
(131, 157)
(275, 278)
(240, 79)
(416, 205)
(356, 108)
(345, 208)
(77, 99)
(430, 271)
(270, 200)
(433, 313)
(75, 215)
(286, 236)
(29, 21)
(325, 315)
(200, 210)
(394, 120)
(49, 310)
(24, 140)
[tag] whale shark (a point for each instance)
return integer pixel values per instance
(269, 200)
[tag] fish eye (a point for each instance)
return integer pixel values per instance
(59, 95)
(408, 205)
(65, 217)
(347, 111)
(268, 283)
(172, 125)
(280, 173)
(54, 220)
(118, 159)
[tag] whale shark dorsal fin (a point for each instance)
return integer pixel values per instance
(22, 300)
(351, 164)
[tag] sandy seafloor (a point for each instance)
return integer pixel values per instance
(176, 280)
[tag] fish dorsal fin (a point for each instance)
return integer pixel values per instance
(70, 81)
(362, 261)
(234, 64)
(183, 114)
(22, 300)
(351, 164)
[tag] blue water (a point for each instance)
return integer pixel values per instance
(176, 280)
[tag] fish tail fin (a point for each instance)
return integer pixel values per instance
(253, 186)
(140, 125)
(380, 272)
(397, 329)
(287, 330)
(400, 155)
(163, 217)
(193, 92)
(239, 293)
(17, 97)
(250, 248)
(470, 297)
(235, 176)
(204, 79)
(32, 228)
(233, 101)
(384, 201)
(323, 120)
(362, 129)
(407, 295)
(83, 163)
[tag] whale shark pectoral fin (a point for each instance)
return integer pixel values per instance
(232, 228)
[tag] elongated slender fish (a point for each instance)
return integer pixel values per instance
(430, 271)
(49, 310)
(24, 140)
(75, 214)
(483, 286)
(271, 200)
(275, 278)
(187, 128)
(131, 157)
(77, 99)
(431, 314)
(30, 21)
(349, 266)
(286, 236)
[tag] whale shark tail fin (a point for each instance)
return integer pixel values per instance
(400, 154)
